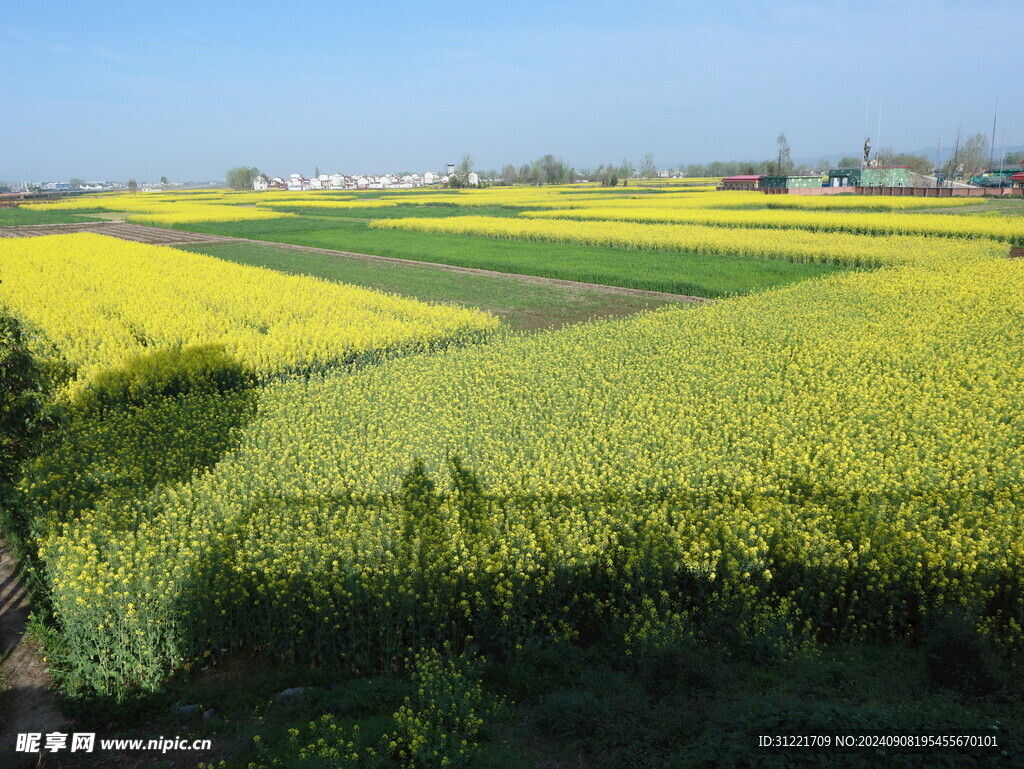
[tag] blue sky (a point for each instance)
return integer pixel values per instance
(104, 90)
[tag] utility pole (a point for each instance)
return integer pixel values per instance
(938, 158)
(867, 109)
(992, 144)
(878, 136)
(956, 151)
(1002, 154)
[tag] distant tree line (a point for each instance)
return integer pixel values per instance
(969, 157)
(544, 170)
(964, 159)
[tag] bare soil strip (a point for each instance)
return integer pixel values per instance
(29, 704)
(162, 237)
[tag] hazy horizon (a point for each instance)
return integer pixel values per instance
(187, 90)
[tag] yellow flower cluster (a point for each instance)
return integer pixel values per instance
(792, 244)
(847, 451)
(940, 225)
(877, 202)
(195, 213)
(163, 209)
(634, 203)
(101, 301)
(575, 196)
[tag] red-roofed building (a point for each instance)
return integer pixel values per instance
(742, 182)
(1018, 179)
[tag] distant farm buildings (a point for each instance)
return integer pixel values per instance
(791, 182)
(337, 181)
(896, 176)
(748, 182)
(877, 180)
(881, 176)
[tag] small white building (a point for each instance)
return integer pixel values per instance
(337, 182)
(430, 178)
(474, 179)
(315, 183)
(260, 183)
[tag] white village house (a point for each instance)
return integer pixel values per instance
(339, 181)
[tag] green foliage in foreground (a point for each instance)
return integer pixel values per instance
(118, 456)
(676, 704)
(21, 403)
(672, 703)
(163, 374)
(25, 420)
(440, 725)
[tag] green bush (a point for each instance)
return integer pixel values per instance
(24, 421)
(441, 725)
(203, 368)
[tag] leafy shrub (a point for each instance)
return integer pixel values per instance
(24, 421)
(958, 657)
(441, 724)
(166, 373)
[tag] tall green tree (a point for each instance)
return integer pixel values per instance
(241, 178)
(916, 163)
(784, 163)
(647, 167)
(465, 168)
(133, 186)
(974, 155)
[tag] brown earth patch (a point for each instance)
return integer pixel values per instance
(137, 233)
(28, 702)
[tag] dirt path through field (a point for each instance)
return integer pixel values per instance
(476, 271)
(28, 704)
(164, 237)
(138, 233)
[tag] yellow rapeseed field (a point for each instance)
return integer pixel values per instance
(792, 244)
(164, 209)
(889, 223)
(844, 457)
(839, 460)
(101, 301)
